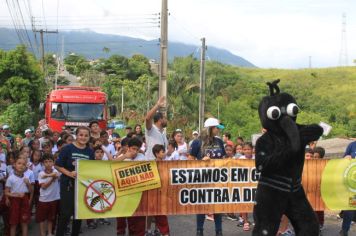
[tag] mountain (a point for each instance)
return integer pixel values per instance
(91, 44)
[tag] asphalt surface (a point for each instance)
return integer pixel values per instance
(185, 226)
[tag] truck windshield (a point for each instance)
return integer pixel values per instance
(77, 112)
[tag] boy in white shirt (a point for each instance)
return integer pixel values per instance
(48, 203)
(132, 153)
(162, 220)
(136, 224)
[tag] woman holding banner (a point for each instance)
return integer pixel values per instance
(66, 165)
(208, 146)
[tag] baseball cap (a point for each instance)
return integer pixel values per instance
(28, 131)
(6, 127)
(195, 132)
(211, 122)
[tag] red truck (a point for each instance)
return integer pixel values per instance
(72, 106)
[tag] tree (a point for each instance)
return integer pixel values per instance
(76, 64)
(19, 116)
(138, 66)
(20, 77)
(106, 50)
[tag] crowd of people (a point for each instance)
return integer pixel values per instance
(38, 172)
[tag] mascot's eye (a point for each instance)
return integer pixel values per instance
(273, 113)
(292, 109)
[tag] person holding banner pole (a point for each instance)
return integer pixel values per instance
(350, 153)
(66, 165)
(207, 147)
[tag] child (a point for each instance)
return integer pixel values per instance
(99, 152)
(34, 144)
(123, 147)
(36, 167)
(17, 188)
(319, 153)
(309, 153)
(47, 147)
(172, 153)
(132, 153)
(248, 154)
(248, 151)
(238, 151)
(47, 207)
(161, 220)
(10, 163)
(229, 150)
(159, 152)
(136, 224)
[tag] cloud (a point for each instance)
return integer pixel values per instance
(273, 33)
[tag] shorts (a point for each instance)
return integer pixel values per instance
(47, 211)
(19, 210)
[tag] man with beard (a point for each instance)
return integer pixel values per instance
(155, 133)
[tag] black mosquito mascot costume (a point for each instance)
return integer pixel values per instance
(280, 160)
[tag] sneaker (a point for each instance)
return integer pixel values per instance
(156, 232)
(231, 217)
(68, 231)
(219, 233)
(209, 217)
(104, 222)
(288, 232)
(92, 225)
(240, 223)
(200, 233)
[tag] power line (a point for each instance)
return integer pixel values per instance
(23, 22)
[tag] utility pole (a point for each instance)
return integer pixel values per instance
(310, 62)
(163, 68)
(41, 31)
(122, 102)
(148, 95)
(202, 86)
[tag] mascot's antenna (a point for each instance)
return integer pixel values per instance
(273, 86)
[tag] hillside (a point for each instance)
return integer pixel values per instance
(91, 44)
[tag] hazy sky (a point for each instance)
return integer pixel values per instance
(268, 33)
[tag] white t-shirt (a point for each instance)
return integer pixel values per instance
(154, 136)
(51, 193)
(54, 149)
(173, 157)
(244, 157)
(36, 169)
(139, 157)
(17, 184)
(29, 174)
(183, 150)
(110, 149)
(9, 170)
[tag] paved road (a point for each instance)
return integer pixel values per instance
(185, 226)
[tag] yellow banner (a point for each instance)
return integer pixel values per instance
(116, 189)
(133, 177)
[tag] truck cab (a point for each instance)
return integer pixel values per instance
(71, 106)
